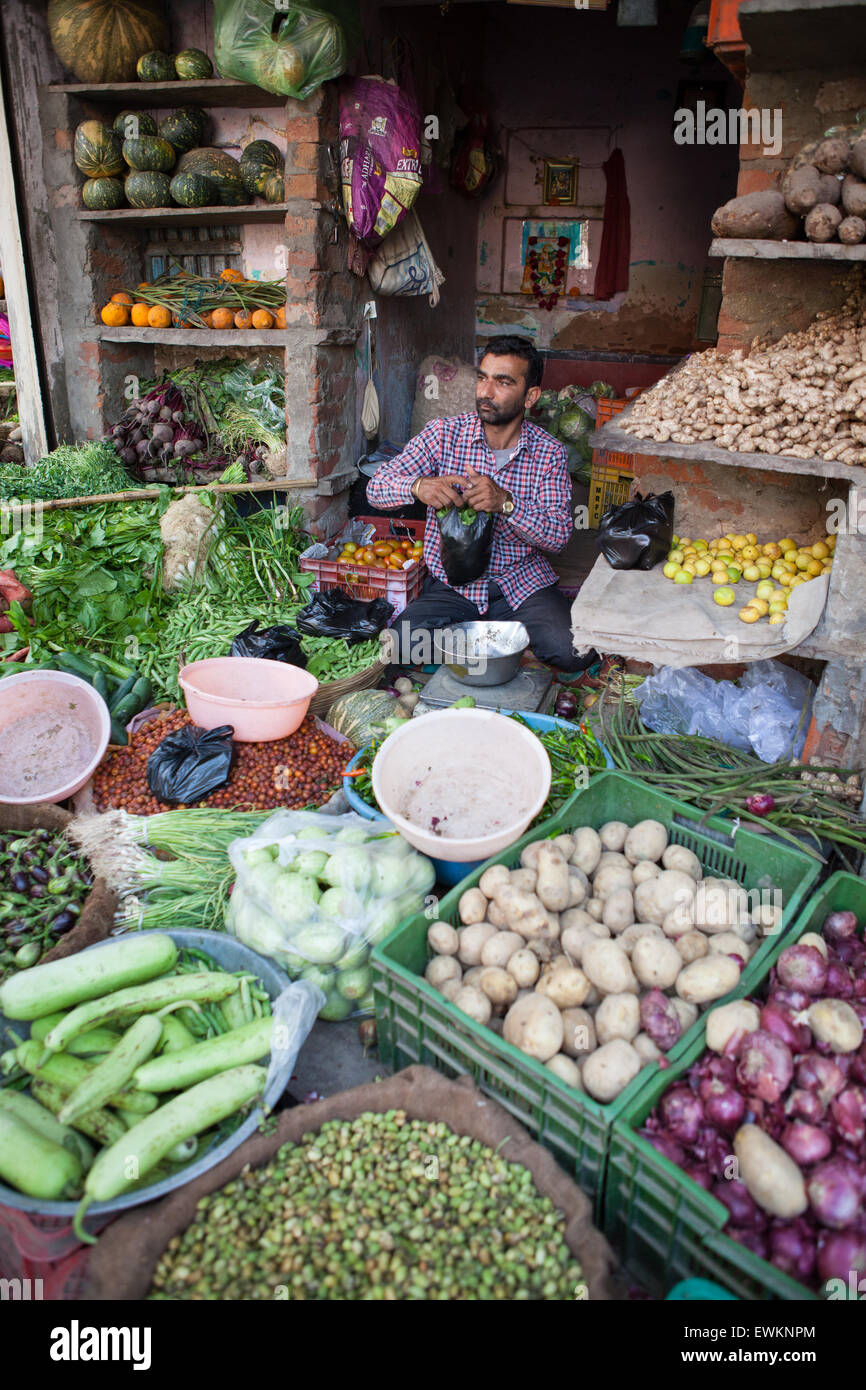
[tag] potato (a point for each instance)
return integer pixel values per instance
(553, 879)
(496, 874)
(523, 912)
(587, 849)
(524, 880)
(498, 985)
(609, 1069)
(498, 949)
(692, 945)
(543, 948)
(573, 940)
(566, 1069)
(835, 1023)
(801, 188)
(472, 907)
(496, 1024)
(565, 845)
(576, 917)
(495, 915)
(565, 985)
(581, 878)
(686, 1013)
(656, 962)
(592, 998)
(440, 969)
(680, 921)
(851, 230)
(646, 840)
(811, 938)
(643, 871)
(579, 1036)
(595, 908)
(524, 966)
(762, 215)
(553, 928)
(655, 898)
(534, 1024)
(767, 917)
(728, 1019)
(472, 975)
(443, 939)
(529, 854)
(630, 937)
(617, 1016)
(822, 222)
(613, 859)
(609, 879)
(719, 905)
(612, 834)
(618, 911)
(607, 966)
(646, 1048)
(770, 1175)
(707, 979)
(857, 156)
(678, 857)
(854, 196)
(472, 941)
(832, 154)
(451, 989)
(729, 943)
(746, 932)
(576, 892)
(473, 1002)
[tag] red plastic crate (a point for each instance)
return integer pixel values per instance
(399, 587)
(26, 1238)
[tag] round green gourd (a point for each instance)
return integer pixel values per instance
(220, 168)
(192, 65)
(150, 153)
(131, 125)
(155, 67)
(183, 129)
(355, 714)
(103, 195)
(258, 162)
(274, 190)
(148, 189)
(97, 151)
(101, 40)
(193, 191)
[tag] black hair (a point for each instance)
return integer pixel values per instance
(512, 345)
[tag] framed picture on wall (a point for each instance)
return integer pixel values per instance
(560, 183)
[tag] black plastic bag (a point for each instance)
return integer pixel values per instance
(466, 537)
(189, 765)
(279, 643)
(637, 534)
(334, 614)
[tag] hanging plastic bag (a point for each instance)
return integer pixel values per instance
(334, 614)
(315, 893)
(466, 539)
(189, 765)
(289, 49)
(473, 163)
(380, 156)
(637, 534)
(403, 263)
(278, 643)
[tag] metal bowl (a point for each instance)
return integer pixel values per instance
(480, 653)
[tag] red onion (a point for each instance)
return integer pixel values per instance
(805, 1105)
(859, 1007)
(752, 1240)
(805, 1143)
(857, 1069)
(667, 1147)
(766, 1066)
(776, 1019)
(840, 1256)
(839, 926)
(741, 961)
(839, 984)
(682, 1114)
(761, 804)
(849, 1114)
(660, 1019)
(849, 951)
(834, 1195)
(566, 706)
(724, 1107)
(792, 1249)
(803, 968)
(821, 1075)
(714, 1150)
(744, 1210)
(699, 1173)
(795, 1000)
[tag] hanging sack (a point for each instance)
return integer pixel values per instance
(473, 163)
(380, 156)
(638, 534)
(466, 539)
(403, 263)
(291, 50)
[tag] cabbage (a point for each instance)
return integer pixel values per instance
(350, 868)
(336, 1008)
(573, 422)
(312, 862)
(601, 389)
(353, 984)
(321, 942)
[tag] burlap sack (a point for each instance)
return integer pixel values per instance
(424, 1095)
(100, 905)
(444, 386)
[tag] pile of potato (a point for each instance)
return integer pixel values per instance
(596, 954)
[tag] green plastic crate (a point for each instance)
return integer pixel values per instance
(665, 1227)
(416, 1024)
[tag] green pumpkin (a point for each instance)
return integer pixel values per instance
(147, 189)
(356, 714)
(97, 151)
(131, 125)
(150, 153)
(101, 40)
(103, 195)
(274, 190)
(155, 67)
(223, 171)
(192, 65)
(258, 162)
(183, 129)
(193, 191)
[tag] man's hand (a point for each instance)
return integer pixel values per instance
(482, 493)
(439, 492)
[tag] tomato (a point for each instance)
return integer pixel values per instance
(369, 556)
(349, 548)
(395, 562)
(382, 548)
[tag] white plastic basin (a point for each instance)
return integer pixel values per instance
(54, 731)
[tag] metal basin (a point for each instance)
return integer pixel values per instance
(480, 653)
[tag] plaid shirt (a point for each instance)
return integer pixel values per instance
(537, 477)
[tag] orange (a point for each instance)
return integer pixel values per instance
(262, 319)
(243, 319)
(138, 313)
(280, 319)
(115, 315)
(233, 276)
(158, 316)
(222, 318)
(122, 298)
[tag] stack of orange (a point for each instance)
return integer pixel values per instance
(393, 555)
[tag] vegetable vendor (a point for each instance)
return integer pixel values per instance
(494, 461)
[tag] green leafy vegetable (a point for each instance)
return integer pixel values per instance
(73, 470)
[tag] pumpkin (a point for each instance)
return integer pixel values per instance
(232, 276)
(131, 125)
(138, 314)
(274, 189)
(192, 190)
(356, 714)
(222, 318)
(97, 151)
(155, 67)
(115, 315)
(262, 319)
(102, 40)
(243, 319)
(192, 65)
(220, 168)
(158, 316)
(103, 195)
(147, 189)
(184, 129)
(150, 153)
(258, 161)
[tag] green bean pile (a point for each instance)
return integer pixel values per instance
(382, 1208)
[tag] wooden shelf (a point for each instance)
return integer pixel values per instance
(7, 388)
(188, 217)
(196, 337)
(216, 91)
(745, 247)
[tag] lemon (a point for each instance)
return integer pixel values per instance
(760, 605)
(786, 579)
(718, 567)
(797, 580)
(702, 567)
(683, 577)
(765, 589)
(700, 545)
(772, 551)
(765, 569)
(814, 568)
(752, 574)
(749, 615)
(752, 538)
(776, 618)
(787, 544)
(734, 573)
(820, 550)
(802, 561)
(749, 552)
(830, 541)
(670, 569)
(778, 608)
(676, 555)
(779, 596)
(683, 542)
(689, 567)
(725, 597)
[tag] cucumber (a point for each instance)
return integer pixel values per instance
(122, 691)
(100, 685)
(61, 984)
(33, 1164)
(76, 665)
(31, 1113)
(115, 1070)
(175, 1070)
(118, 733)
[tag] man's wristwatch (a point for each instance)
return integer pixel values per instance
(508, 505)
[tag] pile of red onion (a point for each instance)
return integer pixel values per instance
(808, 1097)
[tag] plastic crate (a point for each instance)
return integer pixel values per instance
(610, 479)
(664, 1226)
(366, 582)
(608, 407)
(416, 1024)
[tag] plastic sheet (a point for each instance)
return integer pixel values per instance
(290, 49)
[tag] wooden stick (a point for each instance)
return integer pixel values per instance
(150, 494)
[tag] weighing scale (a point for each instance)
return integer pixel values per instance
(526, 691)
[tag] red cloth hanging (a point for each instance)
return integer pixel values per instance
(613, 261)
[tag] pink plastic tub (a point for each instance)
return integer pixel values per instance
(262, 700)
(54, 731)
